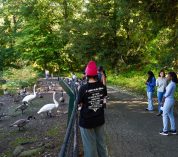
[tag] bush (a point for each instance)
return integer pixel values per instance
(132, 80)
(17, 78)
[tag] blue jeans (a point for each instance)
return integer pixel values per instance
(150, 100)
(168, 114)
(160, 98)
(93, 142)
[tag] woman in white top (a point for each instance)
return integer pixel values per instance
(161, 84)
(168, 105)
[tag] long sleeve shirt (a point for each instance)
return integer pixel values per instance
(151, 85)
(170, 90)
(161, 84)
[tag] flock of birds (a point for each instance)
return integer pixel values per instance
(27, 101)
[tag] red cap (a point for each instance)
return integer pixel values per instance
(91, 69)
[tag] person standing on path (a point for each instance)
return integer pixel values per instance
(168, 105)
(102, 78)
(101, 75)
(161, 84)
(74, 77)
(91, 99)
(151, 82)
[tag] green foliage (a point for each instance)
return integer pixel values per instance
(53, 132)
(16, 78)
(132, 80)
(18, 141)
(62, 35)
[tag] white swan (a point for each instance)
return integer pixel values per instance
(49, 107)
(30, 97)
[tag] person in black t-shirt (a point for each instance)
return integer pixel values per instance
(91, 98)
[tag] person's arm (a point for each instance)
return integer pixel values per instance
(152, 82)
(157, 82)
(80, 96)
(104, 79)
(168, 92)
(105, 96)
(105, 91)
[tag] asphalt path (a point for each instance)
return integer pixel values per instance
(133, 132)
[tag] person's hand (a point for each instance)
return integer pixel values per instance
(162, 108)
(79, 108)
(162, 103)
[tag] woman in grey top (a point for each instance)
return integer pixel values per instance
(161, 84)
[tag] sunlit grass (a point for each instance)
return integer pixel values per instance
(16, 78)
(133, 80)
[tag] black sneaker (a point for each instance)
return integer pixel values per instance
(173, 132)
(159, 114)
(164, 133)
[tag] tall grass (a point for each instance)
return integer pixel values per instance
(132, 80)
(17, 78)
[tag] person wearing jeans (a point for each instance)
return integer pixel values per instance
(168, 105)
(93, 141)
(151, 82)
(161, 84)
(91, 100)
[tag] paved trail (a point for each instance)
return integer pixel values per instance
(133, 132)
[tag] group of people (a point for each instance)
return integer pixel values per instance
(166, 87)
(92, 100)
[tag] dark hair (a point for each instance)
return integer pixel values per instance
(94, 77)
(100, 68)
(174, 76)
(164, 74)
(151, 75)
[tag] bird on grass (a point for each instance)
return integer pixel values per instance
(61, 99)
(21, 123)
(49, 107)
(22, 107)
(2, 115)
(30, 97)
(1, 104)
(6, 91)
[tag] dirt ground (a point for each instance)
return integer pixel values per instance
(42, 132)
(130, 130)
(133, 132)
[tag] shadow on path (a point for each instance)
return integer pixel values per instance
(133, 132)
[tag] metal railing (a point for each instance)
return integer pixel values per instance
(70, 147)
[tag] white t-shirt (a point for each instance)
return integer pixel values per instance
(161, 84)
(74, 77)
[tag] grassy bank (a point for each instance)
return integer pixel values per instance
(132, 80)
(17, 78)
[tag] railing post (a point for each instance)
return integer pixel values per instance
(71, 94)
(70, 147)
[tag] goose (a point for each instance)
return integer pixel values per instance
(17, 98)
(61, 99)
(21, 123)
(22, 107)
(23, 92)
(5, 91)
(29, 98)
(40, 95)
(49, 107)
(2, 115)
(1, 104)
